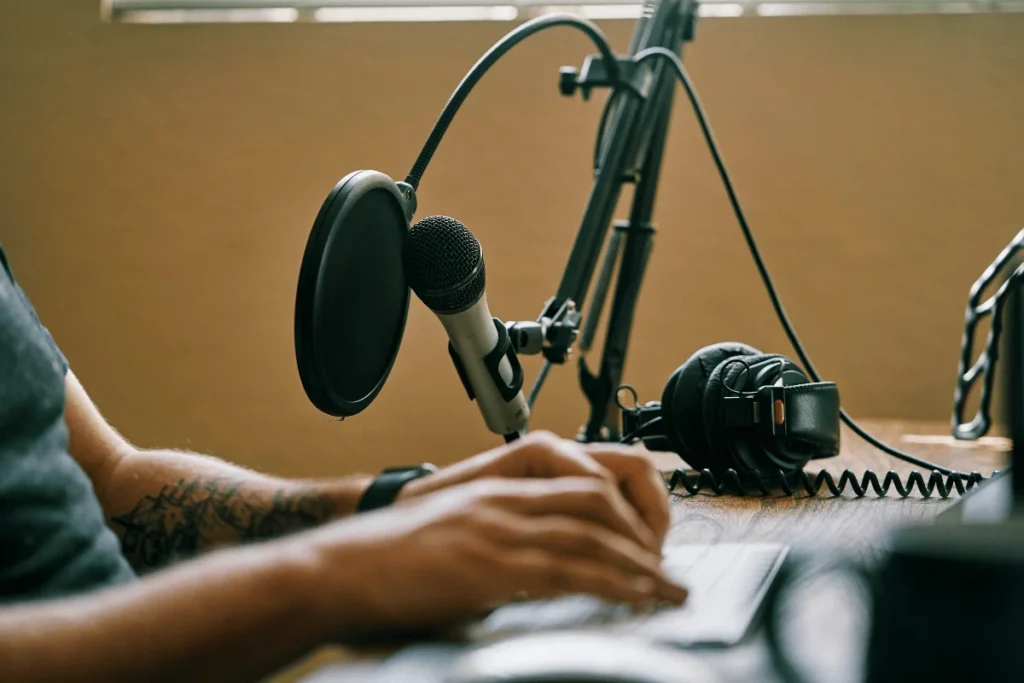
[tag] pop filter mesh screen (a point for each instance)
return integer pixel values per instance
(362, 296)
(352, 299)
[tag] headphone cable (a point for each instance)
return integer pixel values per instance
(663, 53)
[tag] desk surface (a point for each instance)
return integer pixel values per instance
(851, 523)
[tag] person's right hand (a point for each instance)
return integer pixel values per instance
(450, 555)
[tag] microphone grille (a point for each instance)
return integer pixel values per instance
(444, 264)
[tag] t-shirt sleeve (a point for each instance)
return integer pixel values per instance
(28, 305)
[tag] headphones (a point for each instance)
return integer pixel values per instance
(731, 406)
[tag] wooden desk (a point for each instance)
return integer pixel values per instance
(847, 522)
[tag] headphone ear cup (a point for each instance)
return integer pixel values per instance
(673, 423)
(682, 402)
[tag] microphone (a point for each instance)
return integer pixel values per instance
(444, 266)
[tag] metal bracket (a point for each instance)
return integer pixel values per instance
(636, 78)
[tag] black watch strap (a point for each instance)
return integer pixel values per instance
(383, 490)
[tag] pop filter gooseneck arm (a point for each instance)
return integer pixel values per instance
(481, 67)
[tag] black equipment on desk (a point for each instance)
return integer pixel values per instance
(979, 571)
(940, 602)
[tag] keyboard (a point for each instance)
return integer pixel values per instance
(727, 584)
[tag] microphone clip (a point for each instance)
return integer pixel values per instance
(560, 322)
(492, 361)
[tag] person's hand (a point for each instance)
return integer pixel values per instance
(442, 558)
(543, 455)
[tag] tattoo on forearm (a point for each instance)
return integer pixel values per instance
(186, 518)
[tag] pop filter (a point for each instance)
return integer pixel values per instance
(353, 299)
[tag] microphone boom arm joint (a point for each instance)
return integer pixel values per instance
(552, 336)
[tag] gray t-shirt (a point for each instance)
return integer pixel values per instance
(53, 538)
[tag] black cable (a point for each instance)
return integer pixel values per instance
(510, 40)
(639, 431)
(535, 391)
(680, 70)
(766, 483)
(543, 374)
(538, 383)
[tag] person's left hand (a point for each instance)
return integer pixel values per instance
(544, 455)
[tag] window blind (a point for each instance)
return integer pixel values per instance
(173, 11)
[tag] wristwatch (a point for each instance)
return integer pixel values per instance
(383, 490)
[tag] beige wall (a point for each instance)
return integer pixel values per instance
(157, 185)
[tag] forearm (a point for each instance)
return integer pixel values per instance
(169, 505)
(231, 616)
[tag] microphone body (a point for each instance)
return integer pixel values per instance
(445, 267)
(474, 337)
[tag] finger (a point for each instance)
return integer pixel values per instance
(581, 497)
(641, 483)
(542, 455)
(586, 540)
(546, 574)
